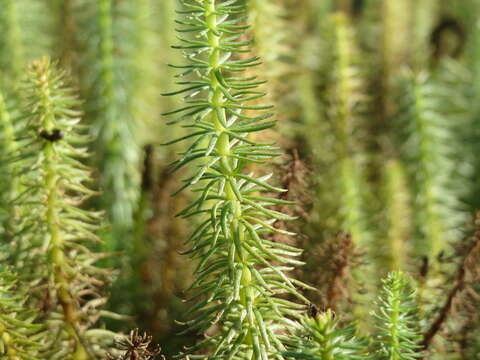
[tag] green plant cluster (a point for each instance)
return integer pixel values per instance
(397, 336)
(146, 185)
(236, 267)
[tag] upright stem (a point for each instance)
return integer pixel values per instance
(394, 320)
(106, 52)
(231, 242)
(55, 248)
(398, 214)
(12, 63)
(223, 148)
(434, 229)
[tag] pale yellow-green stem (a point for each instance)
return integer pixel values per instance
(56, 255)
(346, 94)
(424, 17)
(223, 148)
(343, 86)
(12, 59)
(396, 35)
(398, 213)
(328, 341)
(434, 231)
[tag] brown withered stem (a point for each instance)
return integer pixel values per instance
(468, 274)
(170, 230)
(294, 181)
(136, 347)
(341, 260)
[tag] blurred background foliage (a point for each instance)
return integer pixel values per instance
(378, 103)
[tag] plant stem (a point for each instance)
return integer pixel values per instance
(55, 248)
(11, 53)
(398, 214)
(434, 230)
(223, 148)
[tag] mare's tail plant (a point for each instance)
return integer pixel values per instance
(108, 81)
(11, 49)
(52, 232)
(397, 215)
(322, 337)
(398, 336)
(430, 118)
(346, 105)
(343, 191)
(240, 272)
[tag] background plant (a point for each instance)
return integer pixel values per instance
(377, 139)
(50, 246)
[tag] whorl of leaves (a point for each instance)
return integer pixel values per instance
(398, 336)
(322, 338)
(108, 79)
(240, 272)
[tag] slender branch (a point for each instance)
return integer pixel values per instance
(461, 283)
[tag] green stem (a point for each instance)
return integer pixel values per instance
(106, 53)
(398, 214)
(223, 148)
(238, 221)
(12, 57)
(55, 247)
(394, 321)
(346, 123)
(434, 231)
(346, 95)
(396, 34)
(343, 86)
(117, 148)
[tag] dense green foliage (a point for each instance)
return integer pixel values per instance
(236, 270)
(398, 327)
(49, 246)
(307, 189)
(20, 338)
